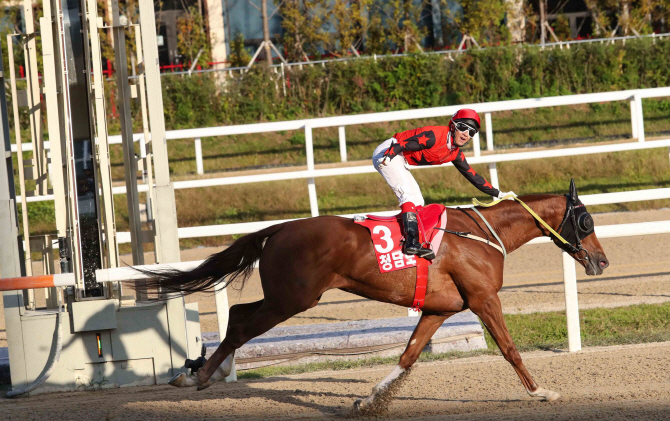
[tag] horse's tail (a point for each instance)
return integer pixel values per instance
(235, 263)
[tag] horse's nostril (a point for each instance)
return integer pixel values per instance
(604, 264)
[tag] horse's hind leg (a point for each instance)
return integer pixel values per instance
(240, 330)
(383, 392)
(240, 312)
(489, 311)
(245, 322)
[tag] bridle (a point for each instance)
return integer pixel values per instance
(568, 236)
(571, 235)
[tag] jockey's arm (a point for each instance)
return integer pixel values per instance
(421, 141)
(477, 180)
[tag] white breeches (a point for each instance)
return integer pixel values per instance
(398, 176)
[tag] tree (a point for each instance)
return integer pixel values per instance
(303, 24)
(516, 20)
(482, 20)
(404, 23)
(239, 56)
(192, 37)
(624, 17)
(350, 21)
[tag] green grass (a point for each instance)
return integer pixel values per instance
(538, 331)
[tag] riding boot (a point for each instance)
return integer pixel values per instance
(411, 231)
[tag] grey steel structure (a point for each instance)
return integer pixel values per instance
(108, 338)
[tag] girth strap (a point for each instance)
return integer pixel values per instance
(421, 283)
(474, 237)
(504, 252)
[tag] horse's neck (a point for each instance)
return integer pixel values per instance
(516, 226)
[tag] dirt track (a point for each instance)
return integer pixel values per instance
(613, 383)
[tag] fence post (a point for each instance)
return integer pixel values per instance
(639, 117)
(198, 157)
(222, 313)
(493, 171)
(476, 145)
(571, 303)
(343, 144)
(633, 118)
(311, 187)
(489, 131)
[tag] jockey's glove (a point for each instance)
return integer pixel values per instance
(384, 161)
(502, 194)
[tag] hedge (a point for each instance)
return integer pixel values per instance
(414, 81)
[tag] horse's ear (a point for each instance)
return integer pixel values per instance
(573, 189)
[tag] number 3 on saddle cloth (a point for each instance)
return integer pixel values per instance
(386, 235)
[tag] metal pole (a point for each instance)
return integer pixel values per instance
(12, 264)
(266, 32)
(543, 33)
(571, 303)
(167, 239)
(129, 159)
(19, 156)
(148, 170)
(343, 144)
(311, 187)
(198, 157)
(34, 100)
(111, 246)
(165, 209)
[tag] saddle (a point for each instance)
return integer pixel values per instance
(386, 233)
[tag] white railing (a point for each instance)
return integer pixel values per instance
(633, 96)
(637, 131)
(248, 227)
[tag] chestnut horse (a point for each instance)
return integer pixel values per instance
(302, 259)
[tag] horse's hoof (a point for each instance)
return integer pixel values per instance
(357, 406)
(182, 380)
(204, 386)
(545, 394)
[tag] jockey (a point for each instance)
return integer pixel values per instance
(430, 145)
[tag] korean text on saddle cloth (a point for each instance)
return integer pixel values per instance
(386, 238)
(388, 248)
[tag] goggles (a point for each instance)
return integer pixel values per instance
(462, 127)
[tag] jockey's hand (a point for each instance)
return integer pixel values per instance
(502, 194)
(384, 161)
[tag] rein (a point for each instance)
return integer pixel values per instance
(565, 246)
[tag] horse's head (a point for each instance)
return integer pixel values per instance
(578, 229)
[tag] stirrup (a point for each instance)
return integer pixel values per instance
(426, 253)
(419, 250)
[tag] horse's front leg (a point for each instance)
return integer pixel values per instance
(489, 310)
(383, 392)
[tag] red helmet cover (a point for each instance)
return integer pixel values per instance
(466, 113)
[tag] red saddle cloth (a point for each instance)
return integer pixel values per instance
(386, 232)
